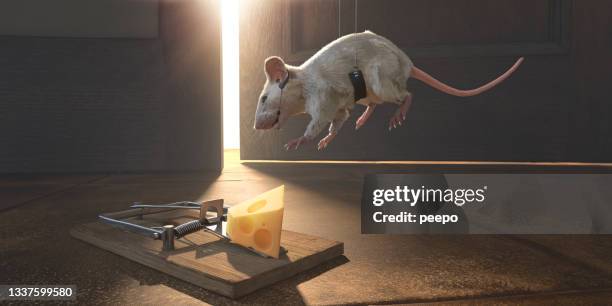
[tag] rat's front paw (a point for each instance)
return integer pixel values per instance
(295, 143)
(325, 141)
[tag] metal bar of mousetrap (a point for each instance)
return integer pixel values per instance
(163, 206)
(133, 227)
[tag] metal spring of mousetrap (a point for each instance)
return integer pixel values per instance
(188, 228)
(168, 233)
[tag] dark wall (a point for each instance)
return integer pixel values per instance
(554, 108)
(115, 104)
(78, 18)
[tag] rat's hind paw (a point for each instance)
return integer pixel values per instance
(295, 143)
(365, 116)
(325, 141)
(400, 113)
(360, 121)
(397, 119)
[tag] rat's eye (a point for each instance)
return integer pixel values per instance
(263, 99)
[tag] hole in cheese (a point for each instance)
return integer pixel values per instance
(246, 225)
(262, 238)
(256, 206)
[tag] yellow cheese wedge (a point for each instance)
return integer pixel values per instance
(257, 223)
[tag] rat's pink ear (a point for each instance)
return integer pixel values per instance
(275, 68)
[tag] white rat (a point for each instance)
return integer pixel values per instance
(321, 86)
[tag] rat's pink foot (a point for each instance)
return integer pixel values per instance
(295, 143)
(325, 141)
(365, 116)
(396, 119)
(400, 113)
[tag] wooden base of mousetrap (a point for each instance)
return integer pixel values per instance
(205, 260)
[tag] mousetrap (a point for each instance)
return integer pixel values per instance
(187, 240)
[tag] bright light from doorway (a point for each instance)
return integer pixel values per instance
(231, 80)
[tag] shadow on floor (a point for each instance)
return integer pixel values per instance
(285, 292)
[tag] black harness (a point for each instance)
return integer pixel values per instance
(359, 85)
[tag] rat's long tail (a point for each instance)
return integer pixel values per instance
(431, 81)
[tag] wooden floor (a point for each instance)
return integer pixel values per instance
(36, 213)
